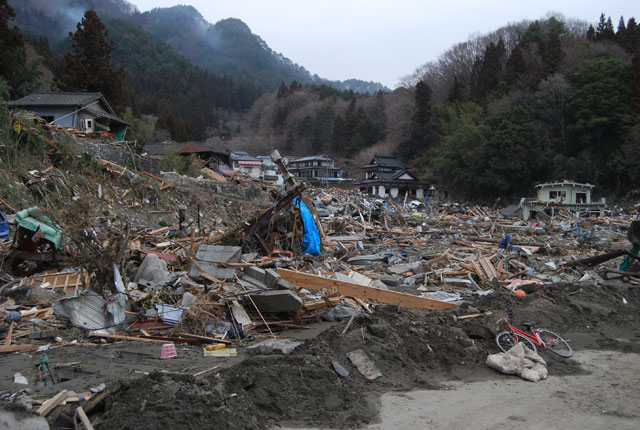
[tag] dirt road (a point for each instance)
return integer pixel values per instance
(605, 397)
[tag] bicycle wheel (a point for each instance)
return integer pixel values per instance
(555, 343)
(506, 340)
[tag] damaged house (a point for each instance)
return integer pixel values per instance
(562, 195)
(89, 112)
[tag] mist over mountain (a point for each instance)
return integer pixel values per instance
(227, 47)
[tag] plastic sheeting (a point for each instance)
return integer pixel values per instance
(311, 238)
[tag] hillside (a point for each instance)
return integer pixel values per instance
(226, 48)
(531, 102)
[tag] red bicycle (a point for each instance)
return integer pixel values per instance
(539, 336)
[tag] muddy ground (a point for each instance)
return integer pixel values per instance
(414, 350)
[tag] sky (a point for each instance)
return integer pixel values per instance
(382, 41)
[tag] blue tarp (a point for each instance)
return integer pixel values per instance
(311, 238)
(4, 227)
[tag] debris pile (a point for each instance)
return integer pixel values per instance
(230, 279)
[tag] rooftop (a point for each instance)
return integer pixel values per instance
(312, 158)
(191, 148)
(57, 99)
(384, 161)
(565, 182)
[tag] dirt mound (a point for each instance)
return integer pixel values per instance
(411, 349)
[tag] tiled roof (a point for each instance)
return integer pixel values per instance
(383, 161)
(190, 148)
(57, 99)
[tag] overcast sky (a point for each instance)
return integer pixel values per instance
(382, 41)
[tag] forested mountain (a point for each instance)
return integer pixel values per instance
(226, 48)
(533, 101)
(543, 100)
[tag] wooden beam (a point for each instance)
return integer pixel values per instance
(7, 340)
(592, 261)
(146, 339)
(50, 404)
(14, 348)
(351, 289)
(205, 371)
(205, 339)
(83, 418)
(96, 400)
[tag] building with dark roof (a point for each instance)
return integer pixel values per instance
(86, 111)
(318, 167)
(388, 176)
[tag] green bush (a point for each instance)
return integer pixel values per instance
(181, 164)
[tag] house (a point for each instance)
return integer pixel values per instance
(158, 150)
(86, 111)
(206, 156)
(565, 192)
(388, 176)
(566, 195)
(319, 167)
(245, 163)
(270, 171)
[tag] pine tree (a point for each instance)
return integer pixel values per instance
(604, 31)
(22, 76)
(621, 33)
(487, 71)
(516, 66)
(632, 36)
(10, 41)
(634, 81)
(551, 53)
(591, 33)
(283, 91)
(420, 133)
(338, 138)
(456, 93)
(87, 67)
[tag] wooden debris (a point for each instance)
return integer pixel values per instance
(205, 371)
(7, 339)
(82, 416)
(351, 289)
(50, 404)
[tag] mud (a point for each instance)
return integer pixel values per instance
(413, 350)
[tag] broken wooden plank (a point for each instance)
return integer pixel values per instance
(206, 339)
(469, 316)
(439, 259)
(96, 400)
(488, 268)
(351, 289)
(317, 304)
(84, 419)
(205, 371)
(7, 340)
(7, 205)
(592, 261)
(478, 271)
(69, 282)
(50, 404)
(15, 348)
(146, 339)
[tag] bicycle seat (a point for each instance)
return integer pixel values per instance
(530, 324)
